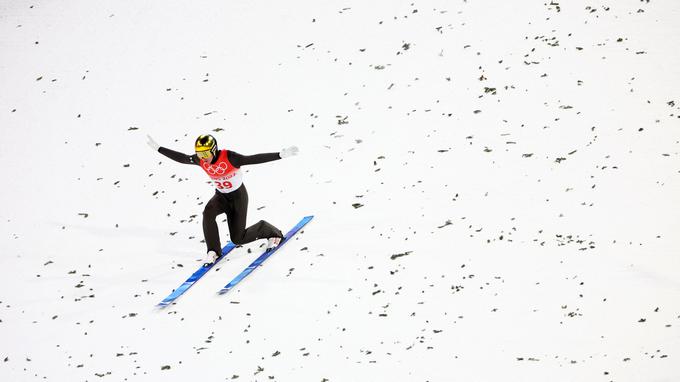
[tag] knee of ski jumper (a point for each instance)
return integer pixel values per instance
(210, 212)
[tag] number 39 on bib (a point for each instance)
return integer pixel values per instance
(223, 185)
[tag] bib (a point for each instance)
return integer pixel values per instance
(224, 175)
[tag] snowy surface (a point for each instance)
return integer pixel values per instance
(521, 156)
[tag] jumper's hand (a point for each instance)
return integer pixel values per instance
(289, 152)
(152, 143)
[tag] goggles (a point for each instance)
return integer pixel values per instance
(204, 154)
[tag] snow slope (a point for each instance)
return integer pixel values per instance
(495, 189)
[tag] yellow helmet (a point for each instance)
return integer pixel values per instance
(205, 143)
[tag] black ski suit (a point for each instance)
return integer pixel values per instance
(234, 204)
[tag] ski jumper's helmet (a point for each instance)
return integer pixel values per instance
(206, 145)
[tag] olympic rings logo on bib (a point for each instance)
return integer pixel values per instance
(219, 169)
(224, 175)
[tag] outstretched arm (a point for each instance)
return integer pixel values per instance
(239, 160)
(174, 155)
(178, 157)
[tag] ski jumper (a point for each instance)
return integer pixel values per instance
(231, 196)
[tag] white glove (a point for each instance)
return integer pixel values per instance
(289, 152)
(152, 143)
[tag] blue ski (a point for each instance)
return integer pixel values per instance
(264, 256)
(195, 277)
